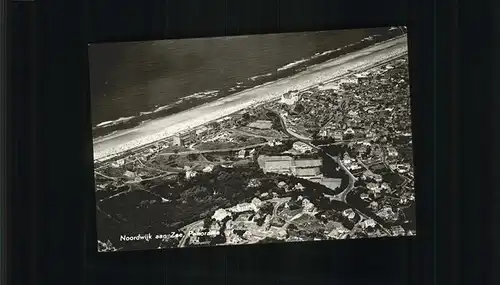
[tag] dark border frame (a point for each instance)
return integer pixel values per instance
(172, 257)
(62, 65)
(4, 145)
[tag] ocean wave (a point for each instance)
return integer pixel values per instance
(147, 114)
(321, 54)
(253, 78)
(159, 109)
(115, 122)
(201, 95)
(293, 64)
(198, 95)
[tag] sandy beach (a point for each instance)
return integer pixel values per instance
(155, 130)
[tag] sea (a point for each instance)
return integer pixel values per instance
(134, 82)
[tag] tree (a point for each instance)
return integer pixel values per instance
(214, 125)
(267, 208)
(260, 221)
(348, 137)
(294, 205)
(207, 222)
(324, 203)
(219, 239)
(299, 108)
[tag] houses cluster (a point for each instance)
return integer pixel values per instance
(350, 163)
(387, 213)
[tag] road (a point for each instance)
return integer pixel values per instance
(212, 150)
(341, 196)
(278, 204)
(242, 132)
(364, 165)
(155, 130)
(343, 142)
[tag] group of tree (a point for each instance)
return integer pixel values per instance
(320, 140)
(335, 150)
(299, 108)
(393, 179)
(260, 220)
(275, 119)
(276, 149)
(269, 240)
(266, 208)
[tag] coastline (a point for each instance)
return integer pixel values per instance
(160, 128)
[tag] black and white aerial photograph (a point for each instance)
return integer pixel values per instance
(273, 138)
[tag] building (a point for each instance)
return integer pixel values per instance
(354, 166)
(364, 196)
(190, 174)
(403, 168)
(349, 80)
(208, 168)
(387, 213)
(202, 130)
(385, 186)
(372, 186)
(279, 165)
(177, 140)
(261, 124)
(369, 223)
(242, 153)
(220, 215)
(315, 179)
(349, 213)
(392, 152)
(398, 231)
(338, 136)
(243, 207)
(257, 202)
(307, 205)
(352, 113)
(306, 168)
(289, 98)
(221, 120)
(349, 131)
(301, 147)
(309, 171)
(373, 206)
(339, 232)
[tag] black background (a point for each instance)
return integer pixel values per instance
(53, 233)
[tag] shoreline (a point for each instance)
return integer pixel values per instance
(145, 134)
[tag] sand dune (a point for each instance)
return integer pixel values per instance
(154, 130)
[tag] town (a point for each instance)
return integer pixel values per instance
(331, 162)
